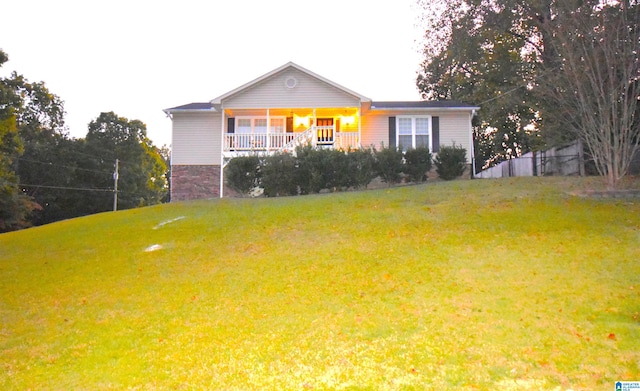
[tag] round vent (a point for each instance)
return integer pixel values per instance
(291, 82)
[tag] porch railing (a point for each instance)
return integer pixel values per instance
(257, 141)
(319, 135)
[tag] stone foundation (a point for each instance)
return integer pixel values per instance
(195, 182)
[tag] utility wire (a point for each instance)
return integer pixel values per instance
(63, 166)
(66, 188)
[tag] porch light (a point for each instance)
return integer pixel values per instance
(348, 120)
(301, 121)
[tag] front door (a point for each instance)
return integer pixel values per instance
(325, 130)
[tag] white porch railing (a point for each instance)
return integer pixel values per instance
(316, 136)
(347, 140)
(257, 141)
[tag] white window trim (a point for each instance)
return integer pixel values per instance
(413, 130)
(270, 118)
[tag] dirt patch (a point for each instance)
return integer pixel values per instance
(629, 193)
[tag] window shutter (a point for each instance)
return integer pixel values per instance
(435, 134)
(392, 132)
(231, 125)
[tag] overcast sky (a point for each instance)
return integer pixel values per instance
(137, 58)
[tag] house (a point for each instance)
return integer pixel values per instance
(293, 106)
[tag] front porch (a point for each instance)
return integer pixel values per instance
(283, 130)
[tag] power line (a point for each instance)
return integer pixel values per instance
(64, 166)
(66, 188)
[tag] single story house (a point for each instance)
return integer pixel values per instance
(293, 106)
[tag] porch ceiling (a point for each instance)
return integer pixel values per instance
(289, 112)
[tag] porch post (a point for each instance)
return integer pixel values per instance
(222, 142)
(315, 130)
(359, 125)
(268, 126)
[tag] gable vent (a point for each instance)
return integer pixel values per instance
(291, 82)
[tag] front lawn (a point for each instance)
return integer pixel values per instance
(510, 284)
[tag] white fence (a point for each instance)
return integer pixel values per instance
(564, 160)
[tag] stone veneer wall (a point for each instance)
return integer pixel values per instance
(194, 182)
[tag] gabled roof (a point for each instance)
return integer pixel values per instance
(423, 104)
(218, 100)
(196, 106)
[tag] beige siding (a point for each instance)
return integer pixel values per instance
(308, 92)
(454, 127)
(196, 139)
(375, 130)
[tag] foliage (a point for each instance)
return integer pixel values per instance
(142, 169)
(239, 295)
(486, 52)
(450, 161)
(597, 86)
(243, 173)
(544, 72)
(389, 164)
(279, 175)
(15, 206)
(417, 162)
(360, 168)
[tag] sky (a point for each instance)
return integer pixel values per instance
(136, 57)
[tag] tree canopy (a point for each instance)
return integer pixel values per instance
(47, 176)
(522, 61)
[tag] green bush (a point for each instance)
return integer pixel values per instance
(389, 164)
(280, 175)
(417, 164)
(360, 168)
(243, 173)
(451, 161)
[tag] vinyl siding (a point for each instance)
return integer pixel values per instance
(454, 127)
(195, 139)
(309, 92)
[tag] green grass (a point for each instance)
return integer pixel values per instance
(491, 285)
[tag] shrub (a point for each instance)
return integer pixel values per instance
(451, 161)
(417, 163)
(389, 164)
(243, 173)
(279, 175)
(360, 168)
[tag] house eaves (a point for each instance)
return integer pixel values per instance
(217, 101)
(423, 105)
(195, 107)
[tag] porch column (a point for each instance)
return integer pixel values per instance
(223, 137)
(268, 126)
(359, 125)
(315, 130)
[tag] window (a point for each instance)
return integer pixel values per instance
(277, 125)
(258, 125)
(413, 132)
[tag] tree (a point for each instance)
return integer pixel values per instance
(15, 206)
(544, 71)
(486, 52)
(142, 169)
(597, 85)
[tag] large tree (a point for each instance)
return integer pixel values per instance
(596, 85)
(523, 62)
(141, 167)
(15, 206)
(487, 53)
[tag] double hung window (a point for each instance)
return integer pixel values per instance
(413, 132)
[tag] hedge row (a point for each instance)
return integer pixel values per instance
(311, 170)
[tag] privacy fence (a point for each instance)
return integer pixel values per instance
(563, 160)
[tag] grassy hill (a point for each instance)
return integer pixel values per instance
(495, 284)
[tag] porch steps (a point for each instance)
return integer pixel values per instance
(301, 139)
